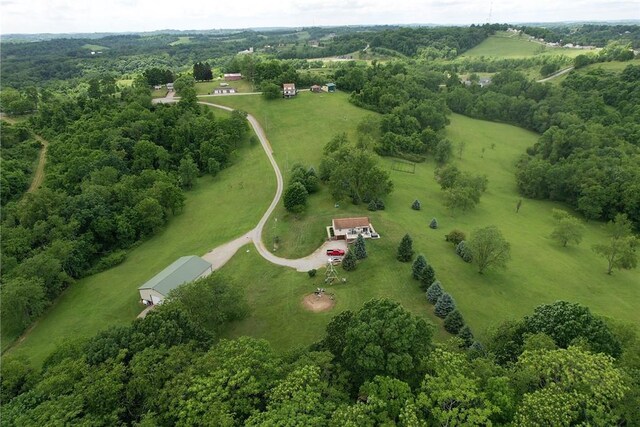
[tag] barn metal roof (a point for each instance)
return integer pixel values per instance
(183, 270)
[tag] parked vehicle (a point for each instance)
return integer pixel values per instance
(335, 252)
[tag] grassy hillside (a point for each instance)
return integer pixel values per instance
(506, 45)
(216, 211)
(540, 271)
(614, 66)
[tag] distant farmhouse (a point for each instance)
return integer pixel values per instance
(289, 90)
(482, 82)
(232, 76)
(183, 270)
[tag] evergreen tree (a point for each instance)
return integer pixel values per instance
(463, 251)
(405, 250)
(453, 322)
(434, 292)
(433, 224)
(444, 306)
(349, 261)
(427, 277)
(466, 335)
(359, 248)
(416, 206)
(418, 265)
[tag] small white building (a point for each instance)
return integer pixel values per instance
(349, 228)
(169, 86)
(184, 270)
(289, 90)
(223, 90)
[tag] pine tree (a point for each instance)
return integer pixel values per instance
(416, 206)
(466, 335)
(349, 261)
(359, 248)
(444, 306)
(418, 265)
(433, 224)
(453, 322)
(434, 292)
(427, 277)
(405, 250)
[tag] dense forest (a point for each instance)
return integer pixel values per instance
(116, 172)
(377, 366)
(587, 34)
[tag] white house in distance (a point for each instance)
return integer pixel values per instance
(183, 270)
(349, 228)
(289, 90)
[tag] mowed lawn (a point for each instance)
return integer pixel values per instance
(217, 210)
(298, 129)
(540, 271)
(506, 45)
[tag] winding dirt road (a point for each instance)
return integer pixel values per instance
(223, 253)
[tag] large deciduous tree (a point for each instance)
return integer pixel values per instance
(568, 387)
(489, 248)
(621, 250)
(384, 339)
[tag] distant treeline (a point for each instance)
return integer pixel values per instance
(587, 35)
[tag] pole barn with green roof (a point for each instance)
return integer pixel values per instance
(183, 270)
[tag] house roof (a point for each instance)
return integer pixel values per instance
(331, 84)
(342, 223)
(183, 270)
(233, 74)
(315, 86)
(289, 86)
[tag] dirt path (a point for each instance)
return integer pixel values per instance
(38, 177)
(554, 75)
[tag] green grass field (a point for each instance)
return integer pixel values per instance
(216, 211)
(94, 47)
(504, 45)
(181, 40)
(205, 88)
(540, 271)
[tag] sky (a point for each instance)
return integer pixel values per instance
(86, 16)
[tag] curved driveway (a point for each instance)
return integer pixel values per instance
(221, 254)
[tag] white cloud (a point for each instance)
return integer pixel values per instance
(37, 16)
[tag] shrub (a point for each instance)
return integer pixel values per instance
(434, 292)
(427, 277)
(477, 350)
(359, 248)
(433, 224)
(349, 261)
(463, 252)
(295, 197)
(466, 335)
(312, 272)
(455, 237)
(444, 306)
(416, 206)
(405, 250)
(379, 204)
(372, 206)
(418, 265)
(453, 322)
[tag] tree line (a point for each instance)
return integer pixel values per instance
(588, 153)
(375, 366)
